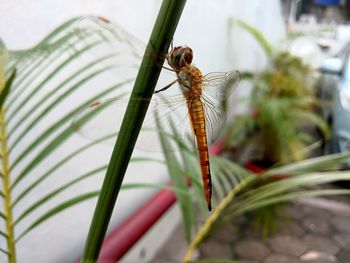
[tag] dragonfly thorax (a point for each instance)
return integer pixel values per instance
(185, 80)
(190, 79)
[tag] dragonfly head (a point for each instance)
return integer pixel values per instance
(180, 56)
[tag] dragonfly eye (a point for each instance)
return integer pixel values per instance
(188, 55)
(180, 56)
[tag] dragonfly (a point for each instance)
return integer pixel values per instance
(202, 98)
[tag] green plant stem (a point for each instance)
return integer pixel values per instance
(209, 222)
(11, 249)
(145, 83)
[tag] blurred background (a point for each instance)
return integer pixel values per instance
(293, 57)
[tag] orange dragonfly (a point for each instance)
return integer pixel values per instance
(192, 84)
(201, 102)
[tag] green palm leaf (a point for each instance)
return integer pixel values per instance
(249, 195)
(38, 100)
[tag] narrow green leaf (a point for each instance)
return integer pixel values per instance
(288, 184)
(192, 170)
(222, 180)
(328, 162)
(54, 168)
(6, 90)
(3, 251)
(56, 210)
(60, 86)
(59, 139)
(3, 234)
(288, 197)
(53, 105)
(54, 193)
(2, 215)
(52, 35)
(189, 156)
(48, 77)
(178, 179)
(35, 64)
(29, 55)
(94, 172)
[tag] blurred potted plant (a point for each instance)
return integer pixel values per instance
(277, 128)
(281, 104)
(238, 191)
(248, 195)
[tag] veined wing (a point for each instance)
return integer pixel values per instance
(114, 35)
(102, 119)
(217, 88)
(106, 116)
(73, 65)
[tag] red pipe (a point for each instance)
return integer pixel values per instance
(254, 167)
(120, 240)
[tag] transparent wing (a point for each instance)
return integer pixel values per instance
(113, 33)
(217, 87)
(109, 32)
(102, 121)
(107, 114)
(103, 118)
(81, 62)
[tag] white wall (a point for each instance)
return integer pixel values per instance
(204, 26)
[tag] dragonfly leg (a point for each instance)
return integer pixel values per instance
(170, 69)
(183, 84)
(166, 87)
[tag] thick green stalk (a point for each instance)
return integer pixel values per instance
(7, 198)
(145, 83)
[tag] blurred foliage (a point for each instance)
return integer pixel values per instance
(184, 171)
(36, 134)
(250, 195)
(238, 191)
(282, 104)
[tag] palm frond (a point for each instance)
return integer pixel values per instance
(250, 194)
(6, 90)
(39, 101)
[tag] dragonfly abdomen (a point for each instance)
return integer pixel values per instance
(196, 112)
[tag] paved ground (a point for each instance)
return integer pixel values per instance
(317, 231)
